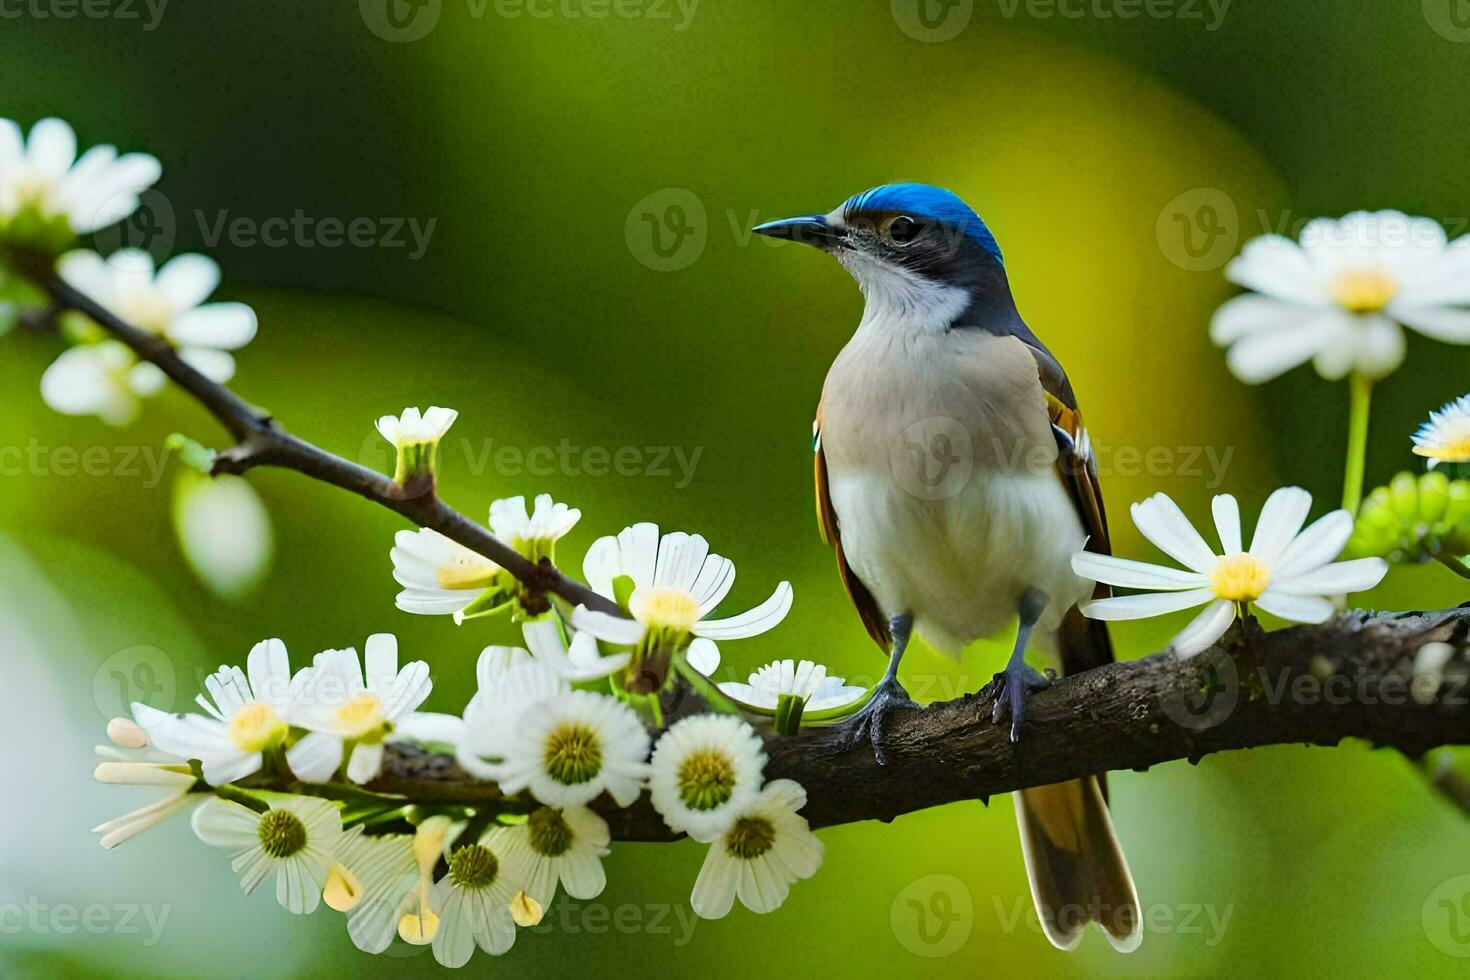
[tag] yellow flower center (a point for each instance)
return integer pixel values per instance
(1364, 290)
(359, 717)
(1240, 578)
(572, 754)
(147, 309)
(1448, 443)
(255, 727)
(468, 572)
(750, 837)
(37, 190)
(706, 779)
(665, 606)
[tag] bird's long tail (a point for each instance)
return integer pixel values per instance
(1077, 869)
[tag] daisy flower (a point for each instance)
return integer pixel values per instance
(131, 761)
(104, 379)
(416, 437)
(677, 583)
(555, 845)
(568, 748)
(532, 534)
(472, 903)
(247, 716)
(296, 838)
(704, 770)
(169, 304)
(1287, 571)
(767, 847)
(370, 879)
(577, 661)
(511, 681)
(47, 193)
(1445, 438)
(806, 680)
(441, 577)
(1341, 297)
(338, 705)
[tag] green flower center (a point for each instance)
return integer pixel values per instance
(706, 779)
(550, 835)
(573, 754)
(282, 833)
(473, 866)
(750, 837)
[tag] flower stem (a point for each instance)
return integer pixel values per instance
(1357, 449)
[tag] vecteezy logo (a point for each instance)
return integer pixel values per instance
(400, 21)
(1446, 916)
(1450, 19)
(932, 21)
(667, 230)
(151, 227)
(140, 673)
(1212, 701)
(933, 458)
(933, 916)
(1199, 229)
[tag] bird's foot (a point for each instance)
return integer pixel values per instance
(866, 727)
(1011, 686)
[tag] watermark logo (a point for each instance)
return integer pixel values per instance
(667, 230)
(1212, 701)
(139, 673)
(932, 21)
(933, 916)
(932, 458)
(1450, 19)
(400, 21)
(152, 227)
(1199, 229)
(148, 12)
(1446, 917)
(39, 918)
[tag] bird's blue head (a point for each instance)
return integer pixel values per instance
(918, 233)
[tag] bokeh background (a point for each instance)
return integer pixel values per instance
(583, 177)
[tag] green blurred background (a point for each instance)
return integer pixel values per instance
(591, 172)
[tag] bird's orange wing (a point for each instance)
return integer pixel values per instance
(827, 520)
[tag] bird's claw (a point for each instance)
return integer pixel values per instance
(1011, 686)
(866, 727)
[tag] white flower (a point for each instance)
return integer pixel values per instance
(533, 534)
(224, 531)
(416, 437)
(104, 379)
(169, 304)
(577, 661)
(806, 680)
(705, 769)
(472, 903)
(1287, 571)
(677, 583)
(1445, 438)
(338, 705)
(43, 175)
(296, 838)
(767, 847)
(564, 748)
(554, 846)
(440, 577)
(246, 717)
(370, 879)
(1339, 298)
(131, 761)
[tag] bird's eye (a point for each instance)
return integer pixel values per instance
(903, 229)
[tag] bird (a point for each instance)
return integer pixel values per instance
(955, 480)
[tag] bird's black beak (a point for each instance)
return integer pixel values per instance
(809, 229)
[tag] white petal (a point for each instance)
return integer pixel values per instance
(1227, 523)
(1281, 518)
(766, 616)
(1357, 575)
(1440, 322)
(1133, 574)
(703, 655)
(1297, 608)
(215, 365)
(225, 326)
(1252, 313)
(638, 552)
(52, 147)
(87, 272)
(366, 763)
(380, 657)
(316, 757)
(604, 626)
(714, 889)
(1322, 541)
(1265, 355)
(1204, 629)
(1276, 266)
(187, 280)
(224, 823)
(269, 669)
(1381, 347)
(1162, 522)
(1145, 605)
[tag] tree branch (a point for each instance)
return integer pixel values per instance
(1314, 685)
(261, 441)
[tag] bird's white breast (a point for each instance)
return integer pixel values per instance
(940, 461)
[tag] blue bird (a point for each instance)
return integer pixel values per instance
(955, 480)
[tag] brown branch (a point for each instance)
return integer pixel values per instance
(261, 441)
(1313, 685)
